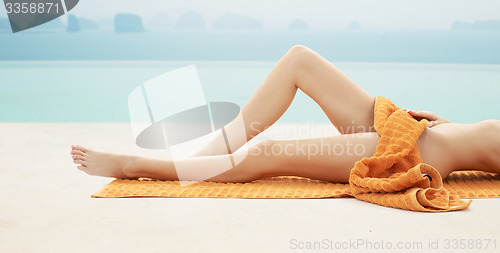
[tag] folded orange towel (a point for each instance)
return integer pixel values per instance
(393, 175)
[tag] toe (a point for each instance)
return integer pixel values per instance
(80, 162)
(78, 152)
(79, 157)
(79, 148)
(81, 168)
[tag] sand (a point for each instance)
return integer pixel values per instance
(46, 207)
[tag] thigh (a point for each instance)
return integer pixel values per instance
(329, 159)
(346, 104)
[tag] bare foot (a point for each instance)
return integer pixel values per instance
(101, 164)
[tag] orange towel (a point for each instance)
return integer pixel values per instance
(393, 175)
(466, 184)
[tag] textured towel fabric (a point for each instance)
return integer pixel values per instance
(473, 184)
(467, 184)
(393, 175)
(268, 188)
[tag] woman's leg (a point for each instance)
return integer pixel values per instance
(446, 147)
(348, 106)
(329, 159)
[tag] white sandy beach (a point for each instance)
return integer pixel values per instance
(46, 207)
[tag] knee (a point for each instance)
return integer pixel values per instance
(298, 49)
(299, 55)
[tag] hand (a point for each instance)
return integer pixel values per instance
(433, 119)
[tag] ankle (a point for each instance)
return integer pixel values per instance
(131, 168)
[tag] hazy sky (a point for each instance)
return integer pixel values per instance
(319, 14)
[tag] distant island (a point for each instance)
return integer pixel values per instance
(191, 20)
(76, 24)
(128, 23)
(73, 24)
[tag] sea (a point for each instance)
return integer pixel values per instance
(97, 91)
(87, 77)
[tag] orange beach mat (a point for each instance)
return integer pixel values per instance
(466, 184)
